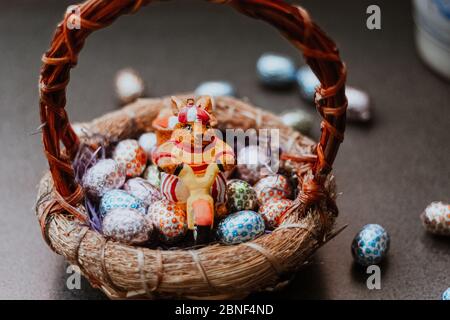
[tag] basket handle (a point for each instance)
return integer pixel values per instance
(293, 22)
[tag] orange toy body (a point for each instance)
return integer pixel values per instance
(195, 154)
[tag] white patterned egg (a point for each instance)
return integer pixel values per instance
(129, 85)
(147, 141)
(436, 218)
(104, 176)
(126, 225)
(215, 89)
(273, 187)
(120, 199)
(131, 156)
(240, 227)
(143, 190)
(370, 245)
(273, 212)
(169, 220)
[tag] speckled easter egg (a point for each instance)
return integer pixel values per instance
(128, 85)
(275, 70)
(273, 187)
(240, 227)
(436, 218)
(240, 196)
(147, 141)
(153, 175)
(307, 83)
(143, 190)
(370, 245)
(252, 164)
(446, 294)
(273, 212)
(126, 225)
(168, 220)
(104, 176)
(120, 199)
(215, 89)
(298, 119)
(131, 156)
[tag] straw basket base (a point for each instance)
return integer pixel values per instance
(211, 272)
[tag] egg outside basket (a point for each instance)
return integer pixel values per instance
(214, 271)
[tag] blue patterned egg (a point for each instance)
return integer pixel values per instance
(120, 199)
(446, 294)
(307, 83)
(370, 245)
(275, 70)
(215, 89)
(240, 227)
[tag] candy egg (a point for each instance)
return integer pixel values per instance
(273, 212)
(120, 199)
(153, 175)
(103, 176)
(273, 187)
(446, 294)
(240, 196)
(252, 164)
(169, 220)
(143, 190)
(147, 141)
(215, 89)
(370, 245)
(436, 218)
(240, 227)
(298, 119)
(307, 83)
(275, 70)
(129, 85)
(129, 154)
(126, 225)
(358, 105)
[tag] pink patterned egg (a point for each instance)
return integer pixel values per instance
(273, 187)
(143, 190)
(273, 212)
(168, 220)
(131, 156)
(104, 176)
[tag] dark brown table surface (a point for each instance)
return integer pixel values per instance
(387, 171)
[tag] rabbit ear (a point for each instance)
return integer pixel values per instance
(177, 105)
(205, 103)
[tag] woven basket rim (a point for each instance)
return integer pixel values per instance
(99, 260)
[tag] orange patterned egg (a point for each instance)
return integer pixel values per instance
(131, 156)
(273, 212)
(169, 220)
(273, 187)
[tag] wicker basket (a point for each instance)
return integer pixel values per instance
(214, 271)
